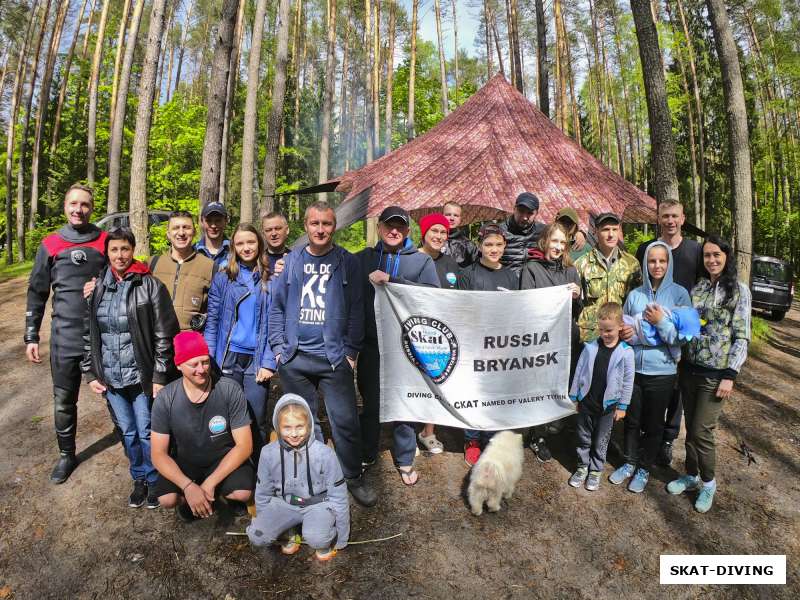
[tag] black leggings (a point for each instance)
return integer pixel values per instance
(644, 420)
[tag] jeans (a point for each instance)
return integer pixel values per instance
(241, 368)
(594, 433)
(701, 409)
(132, 409)
(306, 373)
(644, 420)
(405, 437)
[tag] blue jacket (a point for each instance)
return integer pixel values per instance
(224, 298)
(619, 382)
(308, 471)
(343, 330)
(408, 266)
(657, 359)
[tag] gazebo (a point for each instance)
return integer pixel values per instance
(494, 146)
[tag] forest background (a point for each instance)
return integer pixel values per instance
(166, 104)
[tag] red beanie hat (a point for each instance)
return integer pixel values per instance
(188, 345)
(430, 220)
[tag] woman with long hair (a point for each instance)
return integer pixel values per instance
(236, 328)
(715, 357)
(129, 354)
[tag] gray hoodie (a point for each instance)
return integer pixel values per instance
(313, 464)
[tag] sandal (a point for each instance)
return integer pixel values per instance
(407, 476)
(325, 555)
(292, 545)
(430, 443)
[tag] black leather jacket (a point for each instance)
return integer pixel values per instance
(461, 248)
(152, 322)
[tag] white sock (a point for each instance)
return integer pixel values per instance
(710, 484)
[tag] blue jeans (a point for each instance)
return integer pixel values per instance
(132, 409)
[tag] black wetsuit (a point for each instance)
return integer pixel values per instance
(66, 260)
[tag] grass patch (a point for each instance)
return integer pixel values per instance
(760, 331)
(15, 270)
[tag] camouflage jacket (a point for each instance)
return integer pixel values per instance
(724, 337)
(601, 284)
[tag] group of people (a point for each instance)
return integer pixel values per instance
(184, 347)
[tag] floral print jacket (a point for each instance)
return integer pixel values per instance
(723, 340)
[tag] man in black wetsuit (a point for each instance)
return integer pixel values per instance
(66, 260)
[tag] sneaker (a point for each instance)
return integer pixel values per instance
(139, 494)
(367, 462)
(593, 481)
(578, 477)
(541, 450)
(292, 545)
(639, 481)
(664, 457)
(686, 483)
(705, 499)
(472, 452)
(64, 467)
(364, 494)
(621, 474)
(325, 555)
(152, 498)
(185, 513)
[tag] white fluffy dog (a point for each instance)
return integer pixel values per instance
(496, 473)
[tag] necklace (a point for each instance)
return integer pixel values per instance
(205, 391)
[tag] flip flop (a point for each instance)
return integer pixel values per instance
(407, 476)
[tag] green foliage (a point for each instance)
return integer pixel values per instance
(760, 331)
(15, 269)
(634, 238)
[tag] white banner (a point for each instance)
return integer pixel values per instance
(475, 360)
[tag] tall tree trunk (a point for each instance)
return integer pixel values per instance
(187, 21)
(251, 107)
(487, 32)
(123, 23)
(16, 97)
(233, 76)
(275, 123)
(376, 79)
(299, 29)
(625, 100)
(162, 61)
(118, 122)
(543, 79)
(42, 108)
(217, 96)
(738, 135)
(141, 136)
(665, 174)
(327, 106)
(23, 147)
(561, 76)
(512, 66)
(390, 75)
(698, 105)
(517, 50)
(62, 95)
(412, 72)
(94, 83)
(442, 70)
(497, 46)
(455, 52)
(85, 44)
(368, 49)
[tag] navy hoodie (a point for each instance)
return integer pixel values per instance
(409, 266)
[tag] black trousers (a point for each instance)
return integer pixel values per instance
(644, 420)
(306, 373)
(66, 371)
(672, 423)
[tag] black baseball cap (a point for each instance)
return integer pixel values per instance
(528, 200)
(214, 207)
(605, 217)
(394, 212)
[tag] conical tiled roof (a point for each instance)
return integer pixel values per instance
(491, 148)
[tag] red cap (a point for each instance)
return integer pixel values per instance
(189, 345)
(430, 220)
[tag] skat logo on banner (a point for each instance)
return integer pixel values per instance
(431, 346)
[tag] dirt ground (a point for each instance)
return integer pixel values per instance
(80, 540)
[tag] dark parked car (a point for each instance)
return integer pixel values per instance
(772, 285)
(121, 219)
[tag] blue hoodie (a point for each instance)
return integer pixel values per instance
(658, 359)
(310, 470)
(409, 266)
